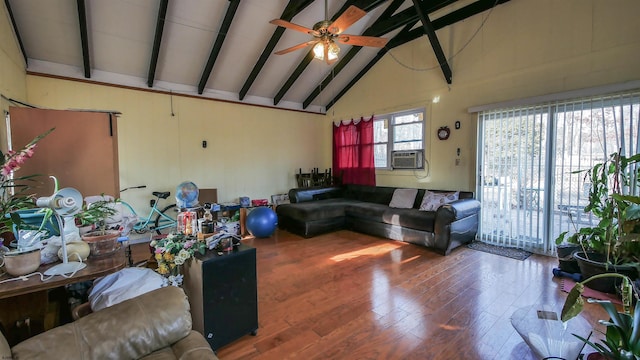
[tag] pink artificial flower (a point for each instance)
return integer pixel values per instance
(159, 250)
(10, 166)
(29, 151)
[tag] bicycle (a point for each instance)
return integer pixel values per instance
(165, 220)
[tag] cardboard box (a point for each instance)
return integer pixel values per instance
(259, 202)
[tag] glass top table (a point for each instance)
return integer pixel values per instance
(546, 335)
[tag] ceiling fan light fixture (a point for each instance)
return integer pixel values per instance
(334, 50)
(318, 50)
(332, 53)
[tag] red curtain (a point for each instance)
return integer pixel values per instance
(353, 152)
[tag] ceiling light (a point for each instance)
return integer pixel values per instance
(334, 49)
(332, 53)
(318, 51)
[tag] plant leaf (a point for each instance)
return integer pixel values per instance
(574, 303)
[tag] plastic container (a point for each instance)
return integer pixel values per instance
(101, 245)
(18, 263)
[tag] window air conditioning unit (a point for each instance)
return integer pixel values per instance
(407, 159)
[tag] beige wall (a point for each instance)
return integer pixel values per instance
(252, 151)
(526, 48)
(12, 70)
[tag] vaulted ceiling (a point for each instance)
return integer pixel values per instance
(222, 49)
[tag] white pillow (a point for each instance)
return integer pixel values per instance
(403, 198)
(432, 200)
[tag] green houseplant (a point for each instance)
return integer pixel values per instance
(622, 336)
(101, 240)
(615, 239)
(96, 214)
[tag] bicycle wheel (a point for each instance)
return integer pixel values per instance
(166, 220)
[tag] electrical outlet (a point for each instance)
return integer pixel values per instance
(458, 162)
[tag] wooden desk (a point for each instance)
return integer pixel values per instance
(96, 267)
(24, 304)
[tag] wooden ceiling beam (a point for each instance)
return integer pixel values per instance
(84, 37)
(157, 39)
(344, 60)
(16, 31)
(293, 8)
(410, 35)
(433, 39)
(215, 51)
(386, 23)
(362, 4)
(403, 33)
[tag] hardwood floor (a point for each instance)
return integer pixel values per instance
(351, 296)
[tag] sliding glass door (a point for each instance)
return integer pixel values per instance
(530, 160)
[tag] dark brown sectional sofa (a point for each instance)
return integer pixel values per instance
(365, 209)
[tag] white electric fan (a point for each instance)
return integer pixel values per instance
(64, 203)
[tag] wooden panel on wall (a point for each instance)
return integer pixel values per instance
(82, 151)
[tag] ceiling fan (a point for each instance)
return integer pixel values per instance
(326, 33)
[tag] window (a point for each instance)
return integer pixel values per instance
(398, 131)
(529, 163)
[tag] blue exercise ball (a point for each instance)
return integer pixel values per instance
(261, 222)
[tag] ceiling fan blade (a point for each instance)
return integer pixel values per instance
(358, 40)
(295, 47)
(350, 16)
(292, 26)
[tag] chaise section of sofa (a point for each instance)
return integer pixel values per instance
(366, 209)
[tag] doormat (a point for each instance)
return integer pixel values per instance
(513, 253)
(568, 284)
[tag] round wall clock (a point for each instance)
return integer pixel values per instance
(443, 133)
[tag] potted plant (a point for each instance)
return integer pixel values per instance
(101, 240)
(15, 191)
(622, 335)
(613, 244)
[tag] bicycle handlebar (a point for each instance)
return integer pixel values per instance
(134, 187)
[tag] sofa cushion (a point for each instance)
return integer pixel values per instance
(409, 218)
(433, 200)
(314, 210)
(403, 198)
(372, 194)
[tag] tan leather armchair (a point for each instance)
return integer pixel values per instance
(156, 325)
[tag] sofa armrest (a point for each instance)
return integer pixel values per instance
(455, 223)
(128, 330)
(194, 346)
(458, 209)
(314, 193)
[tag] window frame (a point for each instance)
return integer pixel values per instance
(390, 117)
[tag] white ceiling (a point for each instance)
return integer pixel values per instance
(121, 36)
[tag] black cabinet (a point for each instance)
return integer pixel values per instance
(223, 294)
